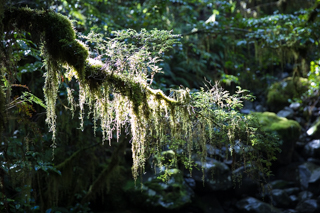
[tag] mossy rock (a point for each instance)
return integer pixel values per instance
(288, 131)
(279, 93)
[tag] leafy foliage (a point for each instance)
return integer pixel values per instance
(110, 78)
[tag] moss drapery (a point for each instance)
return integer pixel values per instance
(184, 121)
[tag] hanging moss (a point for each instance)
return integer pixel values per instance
(155, 119)
(2, 111)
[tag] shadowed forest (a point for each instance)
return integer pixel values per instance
(196, 106)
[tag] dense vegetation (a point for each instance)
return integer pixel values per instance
(139, 75)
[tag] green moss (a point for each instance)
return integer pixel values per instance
(57, 32)
(280, 92)
(287, 129)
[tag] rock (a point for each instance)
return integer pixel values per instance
(295, 106)
(254, 205)
(215, 152)
(190, 182)
(280, 198)
(314, 160)
(294, 199)
(305, 170)
(288, 130)
(260, 108)
(308, 206)
(292, 191)
(217, 175)
(279, 93)
(248, 187)
(172, 194)
(314, 130)
(280, 184)
(314, 181)
(210, 204)
(289, 211)
(289, 173)
(286, 113)
(312, 149)
(305, 195)
(246, 111)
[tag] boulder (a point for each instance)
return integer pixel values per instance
(254, 205)
(305, 171)
(280, 198)
(288, 131)
(314, 181)
(312, 149)
(216, 175)
(308, 206)
(281, 92)
(287, 112)
(171, 194)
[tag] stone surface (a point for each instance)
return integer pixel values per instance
(308, 206)
(305, 195)
(254, 205)
(287, 112)
(295, 106)
(312, 149)
(288, 130)
(280, 198)
(305, 170)
(171, 194)
(314, 181)
(217, 175)
(279, 93)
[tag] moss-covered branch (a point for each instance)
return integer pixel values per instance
(116, 92)
(54, 30)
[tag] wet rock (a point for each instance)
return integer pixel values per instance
(305, 170)
(305, 195)
(280, 184)
(314, 160)
(294, 200)
(308, 206)
(314, 181)
(312, 149)
(288, 130)
(280, 198)
(295, 106)
(254, 205)
(292, 191)
(287, 112)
